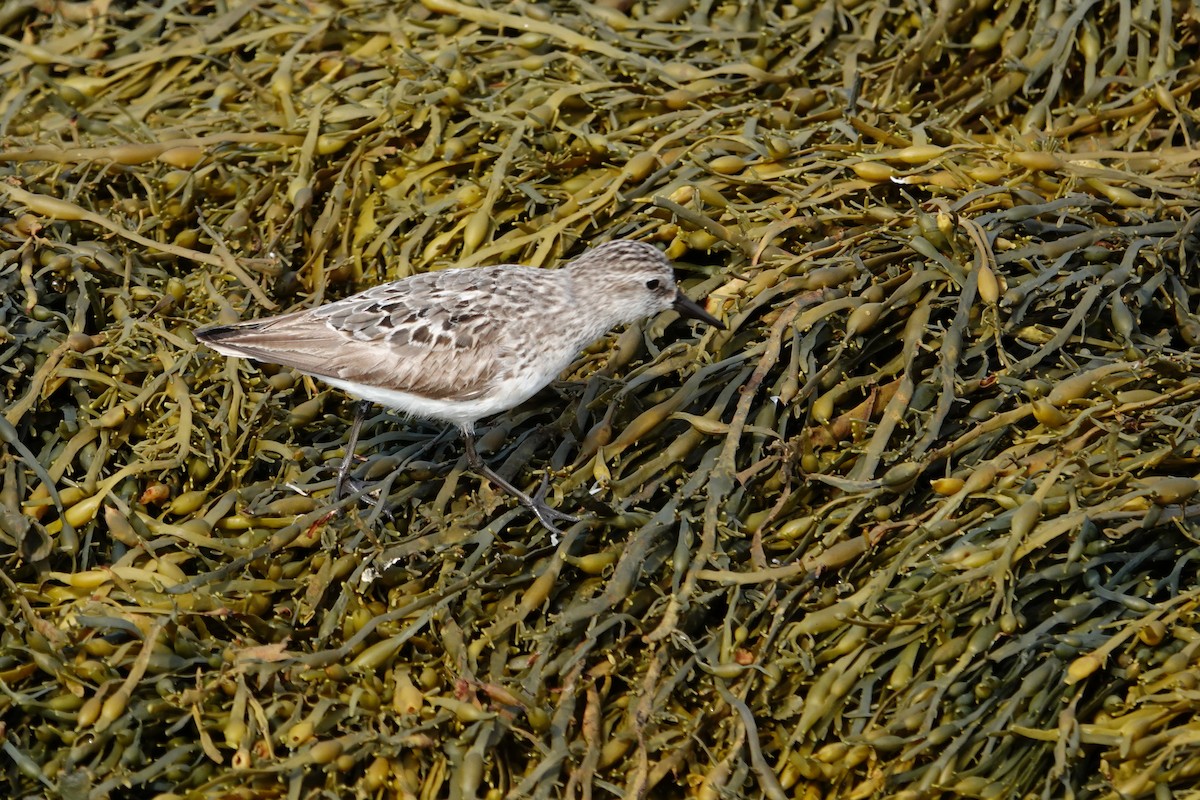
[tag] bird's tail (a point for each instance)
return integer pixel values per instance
(232, 340)
(216, 333)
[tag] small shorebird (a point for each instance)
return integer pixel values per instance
(459, 345)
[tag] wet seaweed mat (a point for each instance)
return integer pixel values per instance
(920, 523)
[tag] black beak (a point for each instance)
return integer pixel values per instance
(689, 308)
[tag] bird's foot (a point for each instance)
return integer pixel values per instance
(348, 487)
(545, 514)
(345, 484)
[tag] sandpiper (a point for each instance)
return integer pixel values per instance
(459, 345)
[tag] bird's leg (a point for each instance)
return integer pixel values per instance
(545, 514)
(344, 470)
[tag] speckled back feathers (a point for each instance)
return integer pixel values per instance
(459, 344)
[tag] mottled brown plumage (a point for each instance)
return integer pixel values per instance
(462, 344)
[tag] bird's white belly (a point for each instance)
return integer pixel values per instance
(463, 413)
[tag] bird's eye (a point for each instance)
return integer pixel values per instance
(653, 284)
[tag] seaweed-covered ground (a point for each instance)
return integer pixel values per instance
(920, 523)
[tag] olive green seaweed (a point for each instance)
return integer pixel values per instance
(921, 522)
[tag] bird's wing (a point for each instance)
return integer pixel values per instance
(426, 335)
